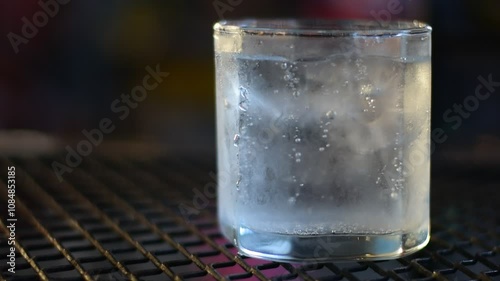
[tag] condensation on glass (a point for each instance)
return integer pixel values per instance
(323, 138)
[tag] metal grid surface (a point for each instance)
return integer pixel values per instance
(123, 219)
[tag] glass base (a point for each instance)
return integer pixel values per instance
(324, 248)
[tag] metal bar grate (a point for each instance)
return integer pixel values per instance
(126, 219)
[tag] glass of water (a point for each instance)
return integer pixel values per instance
(323, 138)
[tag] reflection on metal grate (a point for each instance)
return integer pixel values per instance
(124, 219)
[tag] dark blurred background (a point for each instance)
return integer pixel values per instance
(63, 64)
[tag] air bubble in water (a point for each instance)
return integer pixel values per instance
(297, 140)
(321, 149)
(330, 114)
(238, 181)
(243, 99)
(236, 140)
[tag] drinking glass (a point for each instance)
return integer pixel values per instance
(323, 138)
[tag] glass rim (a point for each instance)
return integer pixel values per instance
(321, 27)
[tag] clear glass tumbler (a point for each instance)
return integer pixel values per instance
(323, 138)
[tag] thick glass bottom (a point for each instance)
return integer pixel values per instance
(323, 248)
